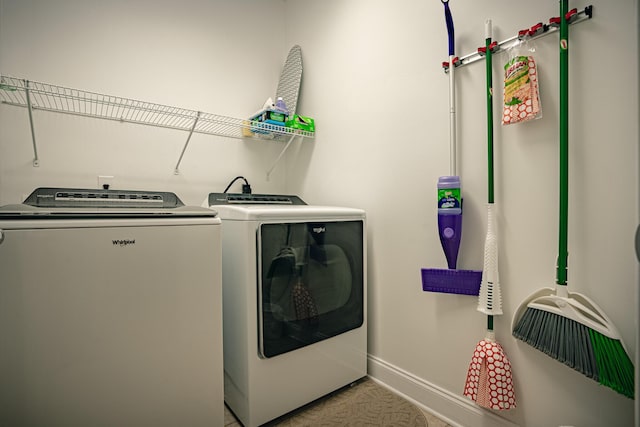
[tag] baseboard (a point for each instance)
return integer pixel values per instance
(451, 408)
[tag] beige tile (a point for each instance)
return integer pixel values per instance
(365, 403)
(229, 419)
(433, 421)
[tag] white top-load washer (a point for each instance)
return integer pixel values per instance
(110, 311)
(294, 302)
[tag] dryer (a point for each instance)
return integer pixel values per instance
(110, 310)
(294, 302)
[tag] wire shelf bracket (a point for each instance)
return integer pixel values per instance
(36, 162)
(277, 160)
(195, 122)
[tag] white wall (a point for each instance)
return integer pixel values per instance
(373, 81)
(219, 57)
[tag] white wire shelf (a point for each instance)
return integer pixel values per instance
(47, 97)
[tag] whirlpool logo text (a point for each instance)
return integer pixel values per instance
(123, 242)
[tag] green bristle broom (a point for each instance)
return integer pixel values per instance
(568, 326)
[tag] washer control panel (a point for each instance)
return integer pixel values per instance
(253, 199)
(84, 198)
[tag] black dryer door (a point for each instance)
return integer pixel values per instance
(311, 283)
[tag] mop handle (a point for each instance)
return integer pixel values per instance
(561, 273)
(452, 90)
(452, 119)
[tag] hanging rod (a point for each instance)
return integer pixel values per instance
(536, 31)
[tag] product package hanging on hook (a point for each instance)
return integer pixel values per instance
(521, 92)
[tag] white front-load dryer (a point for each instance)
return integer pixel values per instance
(294, 302)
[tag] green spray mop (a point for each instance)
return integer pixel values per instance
(489, 380)
(566, 325)
(451, 280)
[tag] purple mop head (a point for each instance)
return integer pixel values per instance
(465, 282)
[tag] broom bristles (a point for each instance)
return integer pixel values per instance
(576, 345)
(616, 366)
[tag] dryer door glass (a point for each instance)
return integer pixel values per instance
(311, 283)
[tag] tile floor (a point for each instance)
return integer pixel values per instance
(364, 403)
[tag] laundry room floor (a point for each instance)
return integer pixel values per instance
(363, 403)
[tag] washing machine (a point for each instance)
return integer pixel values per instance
(294, 302)
(110, 311)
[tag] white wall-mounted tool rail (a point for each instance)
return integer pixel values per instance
(536, 31)
(42, 96)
